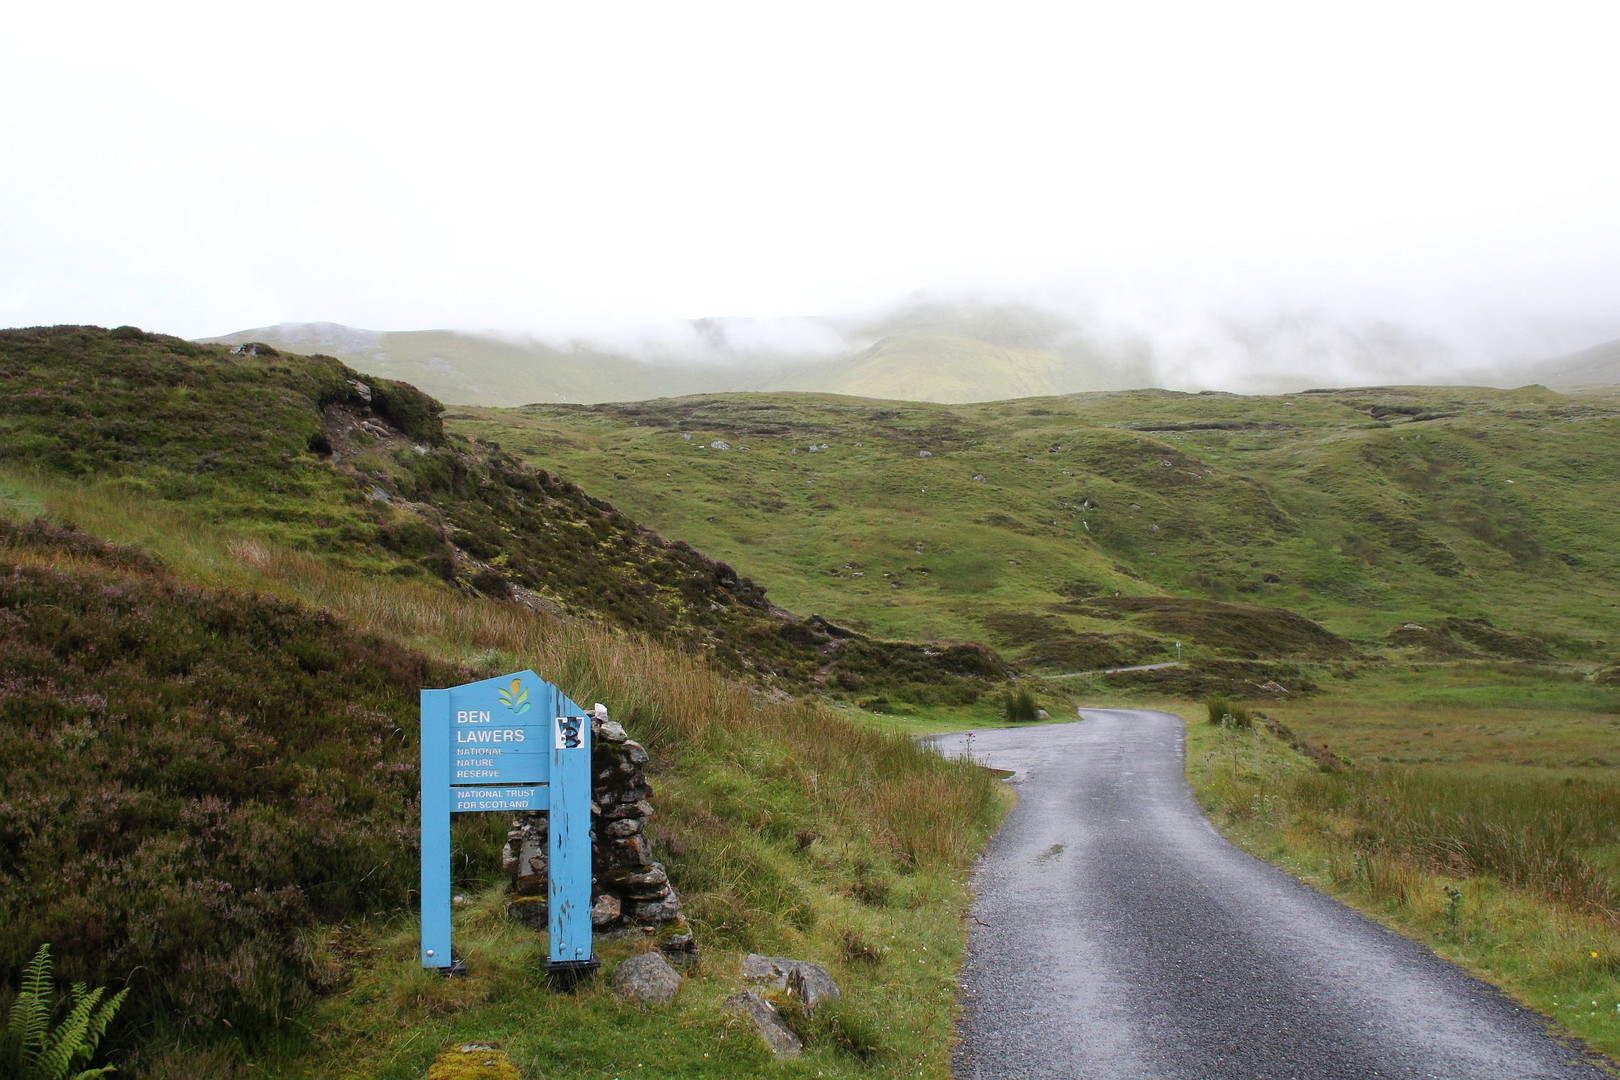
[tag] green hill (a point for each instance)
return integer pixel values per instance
(965, 352)
(1019, 523)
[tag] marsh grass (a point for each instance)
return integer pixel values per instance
(1545, 836)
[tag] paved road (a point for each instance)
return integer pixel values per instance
(1115, 670)
(1116, 934)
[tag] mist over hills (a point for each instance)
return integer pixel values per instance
(933, 353)
(950, 351)
(1594, 367)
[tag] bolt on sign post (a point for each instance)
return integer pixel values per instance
(510, 743)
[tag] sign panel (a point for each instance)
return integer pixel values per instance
(508, 744)
(494, 798)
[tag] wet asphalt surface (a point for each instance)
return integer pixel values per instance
(1117, 934)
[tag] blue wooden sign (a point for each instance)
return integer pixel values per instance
(511, 743)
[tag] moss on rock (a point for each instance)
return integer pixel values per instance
(473, 1061)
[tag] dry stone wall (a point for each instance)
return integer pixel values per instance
(628, 888)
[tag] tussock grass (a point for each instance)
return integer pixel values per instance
(1019, 705)
(1545, 836)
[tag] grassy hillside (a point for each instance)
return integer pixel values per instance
(194, 777)
(940, 366)
(209, 799)
(1097, 530)
(214, 631)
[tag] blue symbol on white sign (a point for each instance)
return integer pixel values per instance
(567, 733)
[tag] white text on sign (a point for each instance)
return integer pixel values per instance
(490, 735)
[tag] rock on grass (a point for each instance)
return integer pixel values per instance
(647, 980)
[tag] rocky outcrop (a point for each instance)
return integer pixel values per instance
(628, 887)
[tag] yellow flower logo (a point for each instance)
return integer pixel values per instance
(516, 698)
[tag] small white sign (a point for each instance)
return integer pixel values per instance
(568, 735)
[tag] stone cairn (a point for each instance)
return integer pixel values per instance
(627, 887)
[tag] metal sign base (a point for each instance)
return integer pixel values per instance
(567, 974)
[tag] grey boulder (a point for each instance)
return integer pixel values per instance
(647, 980)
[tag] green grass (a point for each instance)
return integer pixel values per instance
(1534, 719)
(392, 1018)
(194, 776)
(1430, 576)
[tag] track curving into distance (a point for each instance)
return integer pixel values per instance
(1116, 934)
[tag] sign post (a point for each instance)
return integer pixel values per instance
(510, 743)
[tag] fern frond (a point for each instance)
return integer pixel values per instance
(81, 1051)
(32, 1049)
(36, 980)
(67, 1041)
(98, 1026)
(30, 1022)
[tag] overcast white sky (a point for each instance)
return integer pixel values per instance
(201, 170)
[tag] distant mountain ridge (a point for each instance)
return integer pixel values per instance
(927, 353)
(946, 352)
